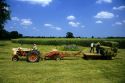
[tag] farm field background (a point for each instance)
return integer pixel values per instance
(64, 41)
(69, 70)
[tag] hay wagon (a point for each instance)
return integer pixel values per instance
(104, 53)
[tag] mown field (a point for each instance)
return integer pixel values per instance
(69, 70)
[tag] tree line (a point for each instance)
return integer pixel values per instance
(5, 35)
(4, 16)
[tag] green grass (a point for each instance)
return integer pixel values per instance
(69, 70)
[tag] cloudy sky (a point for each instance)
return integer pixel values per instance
(100, 18)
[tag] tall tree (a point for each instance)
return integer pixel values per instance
(4, 13)
(69, 35)
(4, 16)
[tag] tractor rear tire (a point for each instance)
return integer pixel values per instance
(15, 58)
(33, 56)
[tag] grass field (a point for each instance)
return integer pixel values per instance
(69, 70)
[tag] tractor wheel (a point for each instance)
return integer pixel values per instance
(33, 56)
(15, 58)
(45, 58)
(57, 57)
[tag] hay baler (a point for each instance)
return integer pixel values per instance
(54, 55)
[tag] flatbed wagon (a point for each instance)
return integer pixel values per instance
(95, 56)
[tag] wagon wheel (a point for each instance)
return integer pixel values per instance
(15, 58)
(33, 56)
(57, 57)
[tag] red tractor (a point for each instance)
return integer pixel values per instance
(31, 55)
(34, 55)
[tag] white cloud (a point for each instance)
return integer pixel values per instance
(40, 2)
(74, 24)
(104, 15)
(118, 23)
(58, 28)
(48, 25)
(71, 17)
(123, 21)
(26, 22)
(52, 26)
(15, 18)
(103, 1)
(119, 8)
(99, 22)
(72, 21)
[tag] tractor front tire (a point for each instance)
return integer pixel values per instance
(33, 56)
(15, 58)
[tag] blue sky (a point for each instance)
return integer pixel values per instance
(85, 18)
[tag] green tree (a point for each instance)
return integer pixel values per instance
(14, 34)
(4, 16)
(4, 13)
(92, 37)
(4, 34)
(69, 35)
